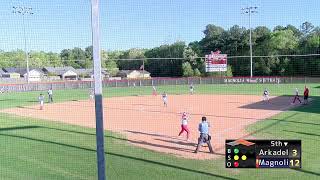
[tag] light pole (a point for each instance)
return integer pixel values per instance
(96, 53)
(24, 10)
(250, 10)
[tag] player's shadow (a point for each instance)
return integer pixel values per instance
(280, 103)
(32, 101)
(160, 146)
(151, 134)
(149, 105)
(187, 144)
(24, 107)
(178, 142)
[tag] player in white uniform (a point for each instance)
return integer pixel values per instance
(184, 125)
(91, 94)
(296, 97)
(165, 99)
(41, 101)
(154, 90)
(50, 95)
(266, 95)
(191, 89)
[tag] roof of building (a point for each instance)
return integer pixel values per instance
(58, 70)
(130, 71)
(21, 71)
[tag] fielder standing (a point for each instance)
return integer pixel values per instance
(50, 94)
(41, 101)
(305, 95)
(165, 99)
(91, 94)
(191, 89)
(296, 97)
(266, 95)
(154, 91)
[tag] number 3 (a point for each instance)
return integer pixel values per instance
(294, 152)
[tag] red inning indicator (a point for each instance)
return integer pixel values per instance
(263, 153)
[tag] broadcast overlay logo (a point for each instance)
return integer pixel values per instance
(242, 153)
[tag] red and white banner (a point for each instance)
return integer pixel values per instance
(216, 62)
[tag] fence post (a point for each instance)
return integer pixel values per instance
(200, 80)
(116, 83)
(140, 82)
(152, 81)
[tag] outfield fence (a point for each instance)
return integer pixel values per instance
(156, 82)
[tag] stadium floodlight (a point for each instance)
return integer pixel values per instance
(250, 10)
(22, 10)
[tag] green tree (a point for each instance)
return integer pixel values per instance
(165, 67)
(212, 39)
(89, 57)
(109, 64)
(78, 58)
(128, 61)
(284, 41)
(187, 69)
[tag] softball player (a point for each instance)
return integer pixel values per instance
(184, 125)
(154, 91)
(305, 95)
(266, 95)
(91, 94)
(50, 96)
(165, 99)
(191, 89)
(296, 97)
(41, 101)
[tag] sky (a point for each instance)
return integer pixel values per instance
(125, 24)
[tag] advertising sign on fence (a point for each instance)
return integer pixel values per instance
(242, 80)
(216, 62)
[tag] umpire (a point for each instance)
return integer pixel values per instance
(204, 135)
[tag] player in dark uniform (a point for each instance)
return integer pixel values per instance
(305, 95)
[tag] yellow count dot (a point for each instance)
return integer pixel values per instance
(236, 157)
(244, 157)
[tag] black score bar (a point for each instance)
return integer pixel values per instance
(263, 153)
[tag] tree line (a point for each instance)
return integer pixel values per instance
(181, 59)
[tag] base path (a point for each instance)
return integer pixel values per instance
(148, 124)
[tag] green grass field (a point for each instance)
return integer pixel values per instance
(36, 149)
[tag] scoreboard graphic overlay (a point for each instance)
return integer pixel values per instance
(263, 153)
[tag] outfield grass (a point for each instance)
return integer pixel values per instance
(8, 100)
(36, 149)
